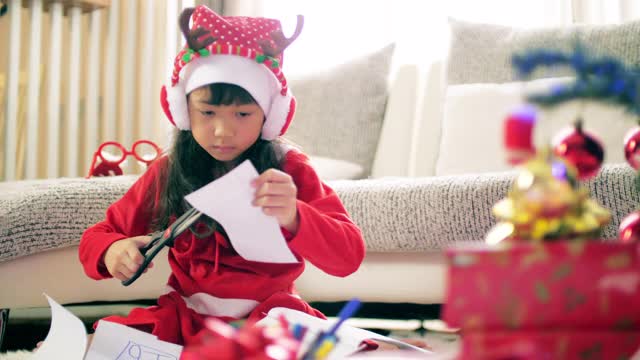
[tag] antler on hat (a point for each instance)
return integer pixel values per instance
(244, 51)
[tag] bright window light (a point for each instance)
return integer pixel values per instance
(338, 30)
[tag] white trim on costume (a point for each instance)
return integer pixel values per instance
(210, 305)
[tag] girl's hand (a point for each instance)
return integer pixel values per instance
(123, 257)
(276, 195)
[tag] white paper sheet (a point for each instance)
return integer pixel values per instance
(253, 234)
(67, 338)
(113, 341)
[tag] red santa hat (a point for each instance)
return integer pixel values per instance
(244, 51)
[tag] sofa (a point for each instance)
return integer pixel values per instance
(420, 167)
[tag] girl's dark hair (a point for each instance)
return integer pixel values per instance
(191, 167)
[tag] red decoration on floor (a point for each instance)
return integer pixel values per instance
(224, 342)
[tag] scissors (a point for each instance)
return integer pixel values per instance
(160, 239)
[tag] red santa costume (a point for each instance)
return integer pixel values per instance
(208, 277)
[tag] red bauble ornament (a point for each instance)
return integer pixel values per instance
(518, 134)
(580, 148)
(632, 147)
(629, 230)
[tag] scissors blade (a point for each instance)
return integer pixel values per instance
(185, 221)
(162, 239)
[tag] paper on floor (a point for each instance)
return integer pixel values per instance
(253, 234)
(67, 339)
(115, 341)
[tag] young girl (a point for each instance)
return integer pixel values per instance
(230, 102)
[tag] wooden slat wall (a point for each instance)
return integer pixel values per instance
(78, 74)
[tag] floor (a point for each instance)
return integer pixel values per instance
(28, 326)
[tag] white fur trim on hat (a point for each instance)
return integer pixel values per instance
(252, 76)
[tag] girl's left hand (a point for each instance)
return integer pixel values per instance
(276, 195)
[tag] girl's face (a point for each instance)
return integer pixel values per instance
(224, 131)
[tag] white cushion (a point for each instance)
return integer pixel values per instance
(472, 134)
(336, 169)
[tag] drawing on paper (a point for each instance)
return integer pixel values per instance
(135, 351)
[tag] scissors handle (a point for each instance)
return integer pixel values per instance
(159, 240)
(155, 237)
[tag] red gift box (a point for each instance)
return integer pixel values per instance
(549, 344)
(587, 285)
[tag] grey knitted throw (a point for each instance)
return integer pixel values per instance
(395, 214)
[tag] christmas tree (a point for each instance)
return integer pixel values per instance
(547, 201)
